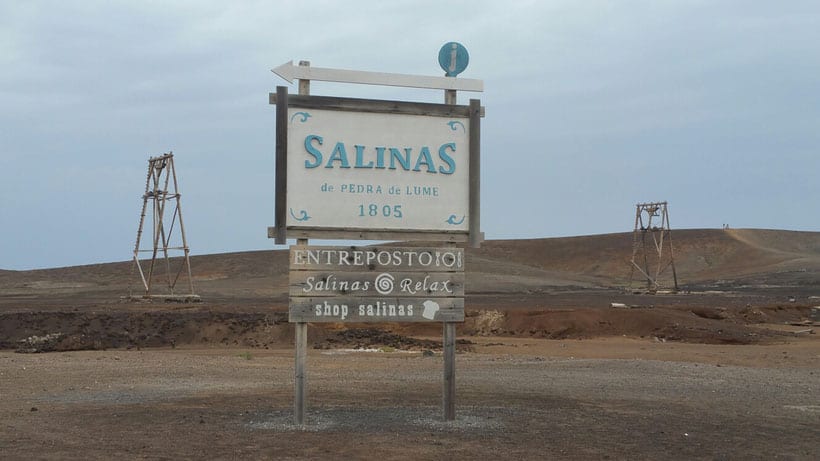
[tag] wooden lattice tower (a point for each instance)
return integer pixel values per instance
(652, 254)
(161, 273)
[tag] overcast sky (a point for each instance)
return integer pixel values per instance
(591, 107)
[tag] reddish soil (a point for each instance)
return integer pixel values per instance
(745, 308)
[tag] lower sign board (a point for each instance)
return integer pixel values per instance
(376, 284)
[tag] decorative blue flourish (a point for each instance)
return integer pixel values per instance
(452, 220)
(304, 116)
(303, 216)
(453, 124)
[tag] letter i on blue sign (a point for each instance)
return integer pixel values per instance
(453, 58)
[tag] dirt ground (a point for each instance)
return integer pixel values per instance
(611, 398)
(556, 360)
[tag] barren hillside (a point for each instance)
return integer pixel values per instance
(733, 282)
(703, 257)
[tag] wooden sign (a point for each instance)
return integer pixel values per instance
(358, 169)
(376, 284)
(376, 170)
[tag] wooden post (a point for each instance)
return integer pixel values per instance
(475, 173)
(449, 397)
(300, 381)
(281, 164)
(450, 97)
(304, 85)
(449, 389)
(300, 376)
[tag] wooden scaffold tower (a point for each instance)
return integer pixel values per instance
(652, 253)
(161, 273)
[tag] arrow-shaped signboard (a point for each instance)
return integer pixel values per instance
(289, 72)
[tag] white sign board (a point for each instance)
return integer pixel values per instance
(377, 171)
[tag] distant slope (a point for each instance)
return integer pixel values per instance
(702, 256)
(790, 242)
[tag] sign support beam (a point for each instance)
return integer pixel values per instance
(304, 73)
(300, 375)
(449, 344)
(449, 396)
(280, 210)
(475, 236)
(300, 336)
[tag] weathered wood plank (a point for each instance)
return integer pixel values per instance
(281, 179)
(300, 374)
(377, 309)
(449, 390)
(304, 73)
(402, 284)
(366, 234)
(475, 174)
(375, 106)
(376, 258)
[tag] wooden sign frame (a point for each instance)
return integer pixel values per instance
(376, 284)
(281, 231)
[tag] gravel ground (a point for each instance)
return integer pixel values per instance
(528, 404)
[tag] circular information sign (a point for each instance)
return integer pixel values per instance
(453, 58)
